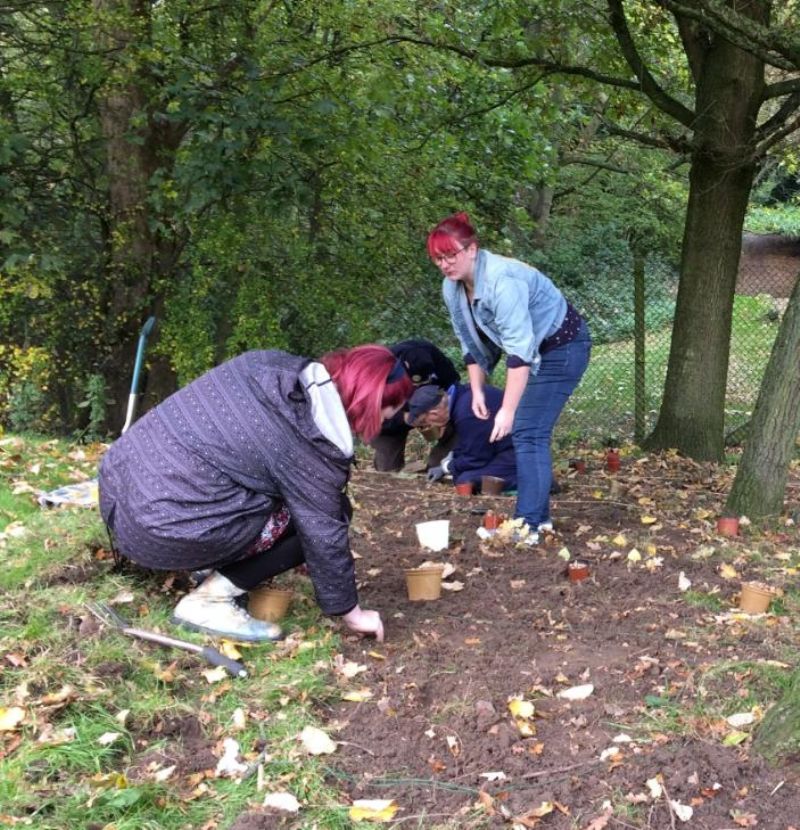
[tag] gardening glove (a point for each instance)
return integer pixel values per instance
(447, 463)
(364, 622)
(435, 474)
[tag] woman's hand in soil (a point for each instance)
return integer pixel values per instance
(365, 622)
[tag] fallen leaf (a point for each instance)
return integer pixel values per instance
(727, 571)
(283, 801)
(11, 718)
(108, 738)
(576, 692)
(163, 774)
(214, 675)
(455, 585)
(600, 822)
(531, 817)
(348, 669)
(373, 809)
(520, 708)
(683, 811)
(741, 719)
(316, 742)
(494, 776)
(648, 520)
(230, 649)
(683, 583)
(734, 738)
(238, 719)
(229, 764)
(357, 695)
(654, 785)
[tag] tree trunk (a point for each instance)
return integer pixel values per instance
(760, 483)
(729, 94)
(136, 147)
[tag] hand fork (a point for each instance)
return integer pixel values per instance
(109, 616)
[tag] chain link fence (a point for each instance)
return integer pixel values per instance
(612, 404)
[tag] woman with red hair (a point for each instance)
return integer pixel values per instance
(243, 472)
(500, 305)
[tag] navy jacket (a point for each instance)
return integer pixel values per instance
(192, 483)
(474, 455)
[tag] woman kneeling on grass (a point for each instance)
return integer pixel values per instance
(243, 471)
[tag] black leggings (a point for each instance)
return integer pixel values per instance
(284, 555)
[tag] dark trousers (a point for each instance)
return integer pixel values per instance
(390, 449)
(284, 555)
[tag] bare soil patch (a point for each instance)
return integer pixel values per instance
(666, 665)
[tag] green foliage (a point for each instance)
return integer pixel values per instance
(783, 219)
(95, 403)
(25, 378)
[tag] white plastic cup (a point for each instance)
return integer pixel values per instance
(434, 535)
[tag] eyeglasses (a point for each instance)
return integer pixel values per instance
(448, 258)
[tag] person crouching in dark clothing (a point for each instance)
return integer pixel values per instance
(425, 364)
(243, 472)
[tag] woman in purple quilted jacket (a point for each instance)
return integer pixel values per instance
(243, 472)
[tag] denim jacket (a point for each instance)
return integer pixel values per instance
(514, 305)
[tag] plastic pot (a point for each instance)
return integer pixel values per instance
(577, 571)
(755, 597)
(728, 526)
(424, 583)
(464, 489)
(434, 535)
(492, 485)
(269, 604)
(612, 461)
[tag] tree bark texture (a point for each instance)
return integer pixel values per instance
(136, 146)
(730, 86)
(758, 489)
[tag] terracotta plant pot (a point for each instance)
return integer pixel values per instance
(755, 597)
(269, 604)
(491, 520)
(579, 465)
(577, 571)
(464, 489)
(492, 485)
(434, 535)
(612, 461)
(728, 526)
(424, 583)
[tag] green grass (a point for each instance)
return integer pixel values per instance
(603, 404)
(72, 685)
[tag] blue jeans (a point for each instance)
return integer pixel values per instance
(545, 396)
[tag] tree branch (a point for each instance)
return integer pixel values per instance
(666, 142)
(647, 83)
(781, 88)
(499, 62)
(743, 32)
(779, 119)
(777, 136)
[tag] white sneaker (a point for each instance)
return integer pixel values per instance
(212, 609)
(523, 537)
(546, 527)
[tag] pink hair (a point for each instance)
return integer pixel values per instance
(360, 376)
(451, 235)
